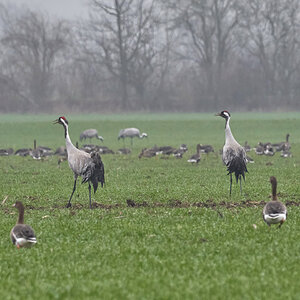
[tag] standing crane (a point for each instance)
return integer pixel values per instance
(87, 165)
(274, 211)
(234, 155)
(131, 133)
(90, 133)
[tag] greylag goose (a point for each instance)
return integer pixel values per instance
(22, 235)
(274, 211)
(196, 157)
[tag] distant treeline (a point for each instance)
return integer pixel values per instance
(151, 55)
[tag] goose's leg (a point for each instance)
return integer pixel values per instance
(74, 188)
(90, 195)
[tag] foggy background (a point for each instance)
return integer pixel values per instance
(149, 55)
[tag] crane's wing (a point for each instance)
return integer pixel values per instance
(235, 162)
(94, 171)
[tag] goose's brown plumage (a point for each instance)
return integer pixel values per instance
(274, 212)
(22, 235)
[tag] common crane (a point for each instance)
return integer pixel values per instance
(90, 133)
(274, 212)
(131, 133)
(87, 165)
(22, 235)
(234, 155)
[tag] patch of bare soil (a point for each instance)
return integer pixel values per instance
(172, 203)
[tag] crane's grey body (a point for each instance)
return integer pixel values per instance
(90, 133)
(87, 165)
(131, 133)
(234, 155)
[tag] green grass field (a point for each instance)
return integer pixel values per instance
(184, 239)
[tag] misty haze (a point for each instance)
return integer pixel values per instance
(135, 55)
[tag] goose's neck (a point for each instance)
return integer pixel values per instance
(21, 215)
(274, 187)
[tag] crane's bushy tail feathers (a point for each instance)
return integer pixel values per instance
(237, 166)
(94, 172)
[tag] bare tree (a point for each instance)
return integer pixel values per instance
(270, 29)
(32, 44)
(207, 30)
(119, 37)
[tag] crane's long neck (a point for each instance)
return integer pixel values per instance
(274, 187)
(69, 144)
(228, 134)
(21, 215)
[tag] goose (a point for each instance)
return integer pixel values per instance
(195, 158)
(274, 212)
(269, 151)
(206, 148)
(6, 152)
(22, 235)
(124, 151)
(247, 147)
(234, 155)
(286, 153)
(148, 152)
(283, 145)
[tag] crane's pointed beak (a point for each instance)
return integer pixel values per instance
(218, 114)
(56, 121)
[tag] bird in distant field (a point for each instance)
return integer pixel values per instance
(22, 235)
(87, 165)
(90, 133)
(195, 158)
(131, 133)
(274, 212)
(234, 155)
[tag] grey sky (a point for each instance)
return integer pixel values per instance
(69, 9)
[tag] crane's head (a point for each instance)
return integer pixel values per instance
(61, 120)
(224, 114)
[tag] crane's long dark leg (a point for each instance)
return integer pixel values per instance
(74, 188)
(230, 184)
(240, 184)
(131, 141)
(90, 195)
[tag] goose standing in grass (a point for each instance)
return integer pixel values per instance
(22, 235)
(274, 212)
(283, 146)
(87, 165)
(195, 158)
(234, 155)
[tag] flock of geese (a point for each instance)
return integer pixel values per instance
(89, 166)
